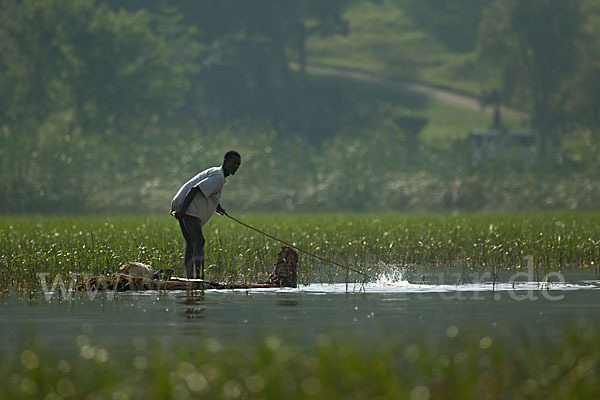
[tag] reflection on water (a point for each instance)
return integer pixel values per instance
(194, 300)
(403, 306)
(287, 303)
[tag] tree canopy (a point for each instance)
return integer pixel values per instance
(97, 94)
(534, 46)
(107, 68)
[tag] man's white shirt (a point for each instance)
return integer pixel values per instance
(210, 182)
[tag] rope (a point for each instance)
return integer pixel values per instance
(294, 247)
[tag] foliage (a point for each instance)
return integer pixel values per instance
(246, 54)
(108, 71)
(379, 169)
(373, 243)
(534, 45)
(467, 365)
(388, 37)
(109, 107)
(583, 104)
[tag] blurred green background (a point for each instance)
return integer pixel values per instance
(109, 106)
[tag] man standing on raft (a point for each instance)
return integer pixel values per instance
(195, 203)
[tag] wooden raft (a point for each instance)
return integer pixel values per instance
(284, 275)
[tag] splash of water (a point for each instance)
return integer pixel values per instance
(391, 278)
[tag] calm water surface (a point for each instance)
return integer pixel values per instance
(404, 306)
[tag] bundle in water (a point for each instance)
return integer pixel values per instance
(285, 273)
(139, 276)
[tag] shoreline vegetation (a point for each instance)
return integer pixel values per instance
(461, 364)
(373, 243)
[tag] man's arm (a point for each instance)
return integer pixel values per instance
(189, 196)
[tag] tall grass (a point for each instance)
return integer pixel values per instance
(463, 366)
(369, 242)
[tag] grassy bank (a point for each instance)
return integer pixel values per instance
(457, 366)
(370, 242)
(385, 40)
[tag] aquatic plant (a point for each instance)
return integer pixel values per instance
(460, 365)
(373, 243)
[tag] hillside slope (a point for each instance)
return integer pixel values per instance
(383, 39)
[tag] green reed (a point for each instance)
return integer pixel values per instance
(369, 242)
(459, 365)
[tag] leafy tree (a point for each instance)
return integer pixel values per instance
(73, 72)
(249, 45)
(534, 46)
(109, 69)
(583, 105)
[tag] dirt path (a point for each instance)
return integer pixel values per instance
(443, 95)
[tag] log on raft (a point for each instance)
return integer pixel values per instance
(134, 276)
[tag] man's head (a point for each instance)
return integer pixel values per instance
(231, 162)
